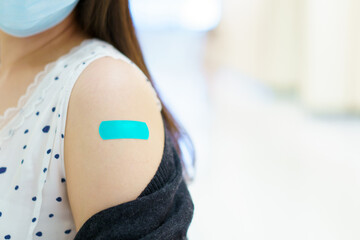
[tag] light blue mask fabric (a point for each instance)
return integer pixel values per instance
(23, 18)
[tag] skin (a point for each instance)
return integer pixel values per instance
(100, 173)
(22, 58)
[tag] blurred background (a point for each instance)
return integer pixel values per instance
(269, 92)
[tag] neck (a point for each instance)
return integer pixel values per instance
(19, 53)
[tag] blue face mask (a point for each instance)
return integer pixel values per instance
(23, 18)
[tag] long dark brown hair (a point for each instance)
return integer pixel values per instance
(111, 21)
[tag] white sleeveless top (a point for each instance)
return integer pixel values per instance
(33, 196)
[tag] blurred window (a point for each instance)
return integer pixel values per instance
(195, 15)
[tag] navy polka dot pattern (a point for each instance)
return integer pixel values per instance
(46, 129)
(32, 152)
(2, 169)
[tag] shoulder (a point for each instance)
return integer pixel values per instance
(103, 173)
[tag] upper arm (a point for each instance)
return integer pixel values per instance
(104, 173)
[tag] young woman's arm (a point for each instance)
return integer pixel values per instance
(104, 173)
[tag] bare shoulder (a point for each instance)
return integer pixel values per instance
(104, 173)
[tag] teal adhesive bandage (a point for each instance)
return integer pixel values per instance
(116, 129)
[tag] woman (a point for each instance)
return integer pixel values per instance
(67, 66)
